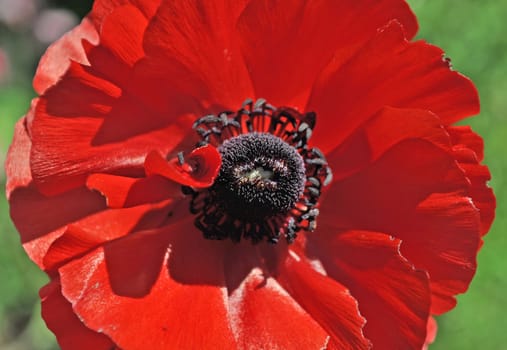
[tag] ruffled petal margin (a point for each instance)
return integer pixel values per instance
(388, 71)
(287, 43)
(392, 295)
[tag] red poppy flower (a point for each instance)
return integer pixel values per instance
(249, 174)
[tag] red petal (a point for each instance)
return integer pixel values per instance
(191, 46)
(100, 119)
(85, 235)
(71, 139)
(103, 8)
(120, 46)
(387, 128)
(265, 316)
(59, 55)
(464, 135)
(123, 37)
(115, 60)
(140, 84)
(48, 215)
(199, 171)
(442, 237)
(327, 301)
(468, 151)
(393, 296)
(416, 192)
(185, 307)
(134, 263)
(70, 332)
(432, 329)
(17, 164)
(122, 192)
(287, 43)
(388, 71)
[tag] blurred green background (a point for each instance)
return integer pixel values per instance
(472, 32)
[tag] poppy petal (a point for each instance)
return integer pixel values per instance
(287, 43)
(17, 163)
(387, 128)
(392, 296)
(334, 309)
(390, 71)
(199, 170)
(124, 38)
(120, 48)
(431, 332)
(70, 332)
(124, 192)
(265, 316)
(59, 55)
(421, 200)
(102, 8)
(48, 215)
(464, 135)
(168, 324)
(105, 112)
(469, 151)
(215, 74)
(66, 147)
(85, 235)
(447, 227)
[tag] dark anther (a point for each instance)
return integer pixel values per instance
(261, 176)
(270, 180)
(181, 159)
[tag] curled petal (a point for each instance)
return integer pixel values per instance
(124, 192)
(199, 170)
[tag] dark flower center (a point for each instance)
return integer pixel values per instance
(261, 176)
(270, 181)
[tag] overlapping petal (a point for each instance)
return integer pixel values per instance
(183, 314)
(61, 319)
(393, 297)
(389, 71)
(99, 160)
(104, 123)
(335, 309)
(287, 43)
(263, 315)
(215, 73)
(468, 149)
(416, 192)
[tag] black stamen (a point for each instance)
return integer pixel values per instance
(270, 181)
